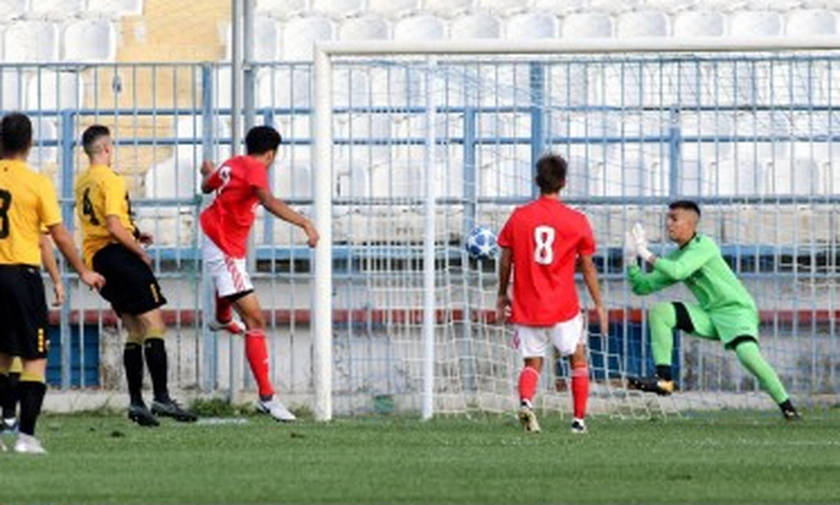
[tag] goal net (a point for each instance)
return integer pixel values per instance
(424, 145)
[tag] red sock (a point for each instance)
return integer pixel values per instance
(580, 390)
(224, 309)
(257, 355)
(528, 379)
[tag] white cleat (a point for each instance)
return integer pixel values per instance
(233, 326)
(578, 426)
(528, 420)
(27, 444)
(276, 410)
(2, 446)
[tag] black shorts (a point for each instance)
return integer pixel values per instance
(23, 312)
(130, 285)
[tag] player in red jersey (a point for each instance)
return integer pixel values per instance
(543, 242)
(241, 183)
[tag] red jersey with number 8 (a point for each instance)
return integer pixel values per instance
(228, 219)
(545, 237)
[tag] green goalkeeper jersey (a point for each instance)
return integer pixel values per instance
(701, 267)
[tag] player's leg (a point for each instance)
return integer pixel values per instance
(531, 342)
(746, 348)
(664, 318)
(133, 363)
(224, 317)
(569, 337)
(32, 388)
(5, 365)
(154, 349)
(256, 351)
(9, 380)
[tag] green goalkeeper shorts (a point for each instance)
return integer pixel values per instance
(723, 324)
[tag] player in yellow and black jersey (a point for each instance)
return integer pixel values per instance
(27, 204)
(113, 247)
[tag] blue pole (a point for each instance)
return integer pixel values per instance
(208, 338)
(65, 336)
(537, 82)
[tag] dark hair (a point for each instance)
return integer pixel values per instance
(685, 204)
(91, 135)
(262, 139)
(551, 173)
(15, 133)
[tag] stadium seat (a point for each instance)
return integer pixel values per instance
(43, 130)
(281, 8)
(646, 23)
(504, 171)
(587, 25)
(50, 90)
(12, 89)
(116, 7)
(756, 23)
(30, 42)
(266, 40)
(534, 25)
(55, 9)
(368, 27)
(284, 86)
(811, 22)
(422, 27)
(89, 40)
(299, 35)
(454, 9)
(394, 8)
(12, 9)
(338, 9)
(791, 176)
(635, 175)
(475, 26)
(503, 7)
(699, 23)
(292, 173)
(174, 177)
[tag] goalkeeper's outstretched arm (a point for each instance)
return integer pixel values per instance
(645, 284)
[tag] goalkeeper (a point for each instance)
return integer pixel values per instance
(725, 311)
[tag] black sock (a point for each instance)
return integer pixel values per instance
(31, 398)
(663, 372)
(786, 406)
(156, 361)
(133, 362)
(8, 395)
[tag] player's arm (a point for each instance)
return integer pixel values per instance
(211, 180)
(690, 261)
(644, 284)
(114, 192)
(286, 213)
(503, 300)
(590, 278)
(65, 244)
(50, 265)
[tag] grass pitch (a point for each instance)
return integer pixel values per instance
(718, 457)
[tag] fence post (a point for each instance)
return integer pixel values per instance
(537, 82)
(208, 338)
(67, 141)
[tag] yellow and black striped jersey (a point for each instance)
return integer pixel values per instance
(100, 192)
(28, 204)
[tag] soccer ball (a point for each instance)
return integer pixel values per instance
(481, 243)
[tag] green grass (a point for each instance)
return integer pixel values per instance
(718, 457)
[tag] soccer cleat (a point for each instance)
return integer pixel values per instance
(141, 415)
(791, 414)
(579, 427)
(233, 326)
(528, 419)
(276, 410)
(2, 445)
(27, 444)
(651, 385)
(10, 424)
(170, 408)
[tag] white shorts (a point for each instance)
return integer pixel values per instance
(229, 274)
(533, 340)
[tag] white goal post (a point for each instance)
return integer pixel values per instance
(325, 53)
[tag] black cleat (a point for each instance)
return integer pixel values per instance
(170, 408)
(651, 385)
(141, 415)
(791, 414)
